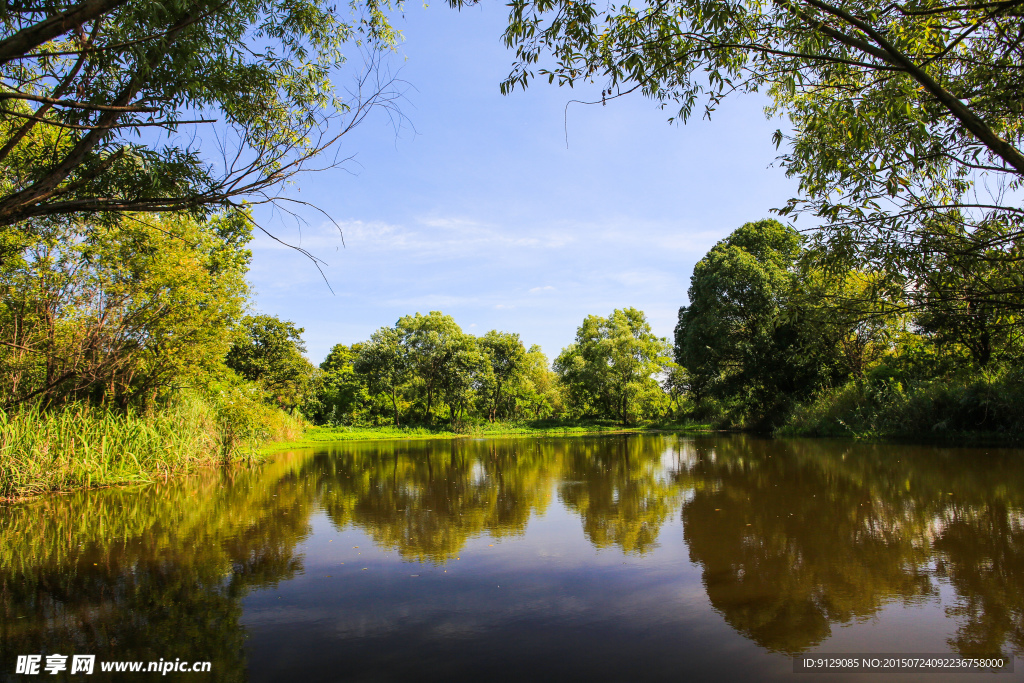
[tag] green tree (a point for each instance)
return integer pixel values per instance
(610, 369)
(459, 374)
(508, 360)
(385, 365)
(341, 391)
(119, 312)
(736, 339)
(269, 351)
(97, 98)
(541, 392)
(960, 301)
(438, 351)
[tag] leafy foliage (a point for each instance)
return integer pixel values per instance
(95, 97)
(610, 369)
(121, 313)
(269, 352)
(905, 117)
(738, 339)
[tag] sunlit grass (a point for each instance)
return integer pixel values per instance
(319, 435)
(82, 446)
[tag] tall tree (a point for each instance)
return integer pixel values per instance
(507, 357)
(269, 351)
(432, 342)
(736, 338)
(119, 312)
(611, 368)
(385, 363)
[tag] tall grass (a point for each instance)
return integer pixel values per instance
(82, 446)
(989, 405)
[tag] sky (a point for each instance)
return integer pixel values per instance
(523, 213)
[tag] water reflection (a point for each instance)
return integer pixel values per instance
(425, 499)
(794, 537)
(791, 537)
(132, 575)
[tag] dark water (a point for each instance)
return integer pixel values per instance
(616, 558)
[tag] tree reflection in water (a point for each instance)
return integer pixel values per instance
(795, 536)
(792, 537)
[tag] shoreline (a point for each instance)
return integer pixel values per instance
(318, 436)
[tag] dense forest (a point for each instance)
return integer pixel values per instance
(123, 254)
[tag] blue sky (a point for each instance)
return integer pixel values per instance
(476, 206)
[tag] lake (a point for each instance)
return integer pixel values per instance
(600, 558)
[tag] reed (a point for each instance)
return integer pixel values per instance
(82, 446)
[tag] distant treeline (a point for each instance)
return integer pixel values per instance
(426, 369)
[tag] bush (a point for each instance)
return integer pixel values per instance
(991, 404)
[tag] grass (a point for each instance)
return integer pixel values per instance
(79, 446)
(318, 435)
(985, 407)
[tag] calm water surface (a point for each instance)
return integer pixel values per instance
(615, 558)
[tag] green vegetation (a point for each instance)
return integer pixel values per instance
(102, 106)
(113, 341)
(767, 343)
(82, 446)
(426, 371)
(906, 130)
(320, 435)
(124, 307)
(900, 314)
(610, 369)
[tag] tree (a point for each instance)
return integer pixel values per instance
(610, 369)
(901, 112)
(436, 347)
(676, 384)
(101, 100)
(736, 339)
(341, 391)
(119, 312)
(385, 364)
(269, 351)
(958, 306)
(542, 395)
(458, 375)
(507, 357)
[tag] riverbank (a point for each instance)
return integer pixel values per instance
(984, 408)
(319, 435)
(81, 446)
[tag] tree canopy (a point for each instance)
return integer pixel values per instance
(102, 101)
(269, 351)
(611, 368)
(746, 336)
(119, 313)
